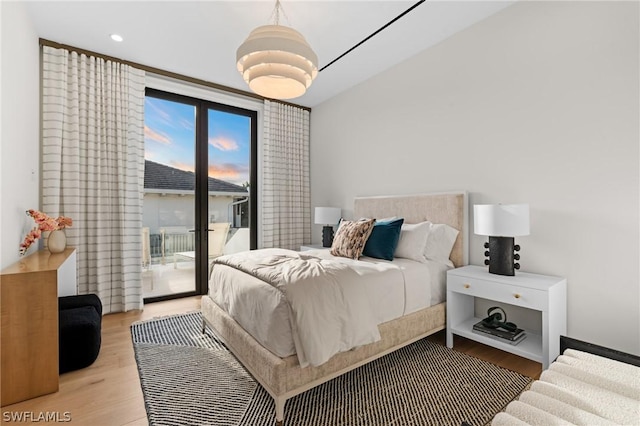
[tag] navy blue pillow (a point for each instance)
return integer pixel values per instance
(384, 239)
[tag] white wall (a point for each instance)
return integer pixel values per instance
(537, 104)
(19, 127)
(171, 210)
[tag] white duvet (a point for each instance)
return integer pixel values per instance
(343, 320)
(316, 305)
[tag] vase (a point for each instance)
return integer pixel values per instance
(57, 241)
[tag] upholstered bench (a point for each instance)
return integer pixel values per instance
(80, 324)
(580, 387)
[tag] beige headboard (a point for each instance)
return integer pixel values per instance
(450, 208)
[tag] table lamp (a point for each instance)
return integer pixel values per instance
(501, 223)
(327, 216)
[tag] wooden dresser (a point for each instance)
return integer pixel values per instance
(29, 292)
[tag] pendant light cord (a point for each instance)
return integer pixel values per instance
(371, 35)
(275, 15)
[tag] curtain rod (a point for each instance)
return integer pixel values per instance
(146, 68)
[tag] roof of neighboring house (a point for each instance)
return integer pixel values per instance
(159, 176)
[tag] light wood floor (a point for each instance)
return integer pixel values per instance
(108, 392)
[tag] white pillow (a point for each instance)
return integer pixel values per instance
(413, 239)
(440, 241)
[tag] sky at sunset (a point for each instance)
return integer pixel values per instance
(169, 138)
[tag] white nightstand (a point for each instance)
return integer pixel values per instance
(313, 247)
(545, 294)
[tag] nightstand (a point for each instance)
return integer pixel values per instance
(542, 293)
(313, 247)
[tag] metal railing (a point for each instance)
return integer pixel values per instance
(166, 244)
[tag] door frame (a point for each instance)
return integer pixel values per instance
(201, 194)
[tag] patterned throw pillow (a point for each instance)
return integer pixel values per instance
(351, 238)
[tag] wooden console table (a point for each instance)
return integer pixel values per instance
(29, 292)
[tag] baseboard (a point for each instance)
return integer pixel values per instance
(570, 343)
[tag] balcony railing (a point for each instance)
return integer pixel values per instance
(159, 248)
(164, 244)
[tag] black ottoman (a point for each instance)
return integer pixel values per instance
(80, 323)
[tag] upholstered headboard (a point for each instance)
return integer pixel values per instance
(449, 208)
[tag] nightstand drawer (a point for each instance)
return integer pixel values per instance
(506, 293)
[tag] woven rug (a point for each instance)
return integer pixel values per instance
(190, 378)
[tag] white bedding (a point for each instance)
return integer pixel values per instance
(424, 285)
(392, 289)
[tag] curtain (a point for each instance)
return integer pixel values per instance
(93, 169)
(286, 204)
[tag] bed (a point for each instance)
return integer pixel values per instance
(283, 376)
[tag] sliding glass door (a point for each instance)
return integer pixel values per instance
(199, 171)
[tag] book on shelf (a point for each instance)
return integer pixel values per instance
(519, 339)
(516, 335)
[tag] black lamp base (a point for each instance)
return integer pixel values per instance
(501, 256)
(327, 236)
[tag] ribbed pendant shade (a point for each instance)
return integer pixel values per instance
(277, 62)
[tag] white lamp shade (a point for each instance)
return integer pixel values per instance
(277, 62)
(501, 220)
(327, 215)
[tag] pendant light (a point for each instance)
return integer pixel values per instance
(276, 61)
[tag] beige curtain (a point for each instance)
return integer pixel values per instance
(286, 211)
(93, 169)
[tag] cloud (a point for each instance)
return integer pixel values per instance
(152, 135)
(182, 166)
(236, 173)
(186, 124)
(223, 144)
(228, 172)
(161, 114)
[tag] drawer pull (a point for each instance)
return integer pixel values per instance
(517, 296)
(466, 286)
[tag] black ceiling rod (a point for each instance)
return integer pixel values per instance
(373, 34)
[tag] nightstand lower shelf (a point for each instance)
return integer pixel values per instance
(530, 347)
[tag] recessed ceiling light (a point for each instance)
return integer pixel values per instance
(116, 37)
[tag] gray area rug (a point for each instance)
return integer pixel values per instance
(190, 378)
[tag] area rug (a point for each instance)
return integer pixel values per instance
(190, 378)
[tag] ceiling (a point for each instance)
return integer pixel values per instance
(199, 39)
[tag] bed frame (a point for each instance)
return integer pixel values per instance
(283, 378)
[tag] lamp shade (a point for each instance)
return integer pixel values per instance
(277, 62)
(327, 215)
(501, 220)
